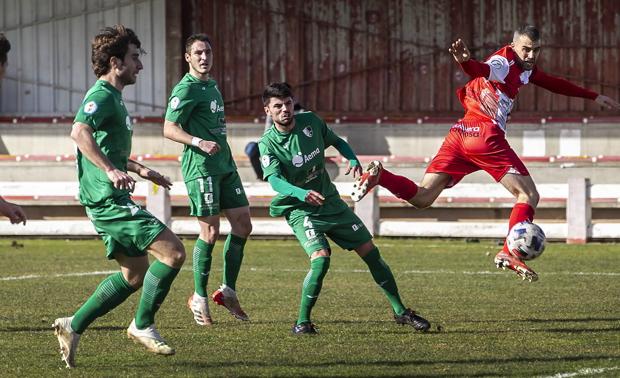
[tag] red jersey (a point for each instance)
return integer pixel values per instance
(490, 95)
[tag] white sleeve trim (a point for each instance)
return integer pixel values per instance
(499, 68)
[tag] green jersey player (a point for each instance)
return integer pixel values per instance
(102, 132)
(293, 160)
(195, 118)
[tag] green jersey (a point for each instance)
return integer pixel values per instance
(103, 109)
(198, 107)
(299, 158)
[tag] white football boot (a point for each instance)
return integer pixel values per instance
(150, 338)
(67, 339)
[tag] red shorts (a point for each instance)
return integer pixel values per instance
(472, 146)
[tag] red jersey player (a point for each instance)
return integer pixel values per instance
(478, 141)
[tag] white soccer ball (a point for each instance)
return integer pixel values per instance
(526, 241)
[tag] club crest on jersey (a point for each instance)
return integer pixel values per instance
(215, 107)
(90, 107)
(174, 103)
(265, 160)
(308, 131)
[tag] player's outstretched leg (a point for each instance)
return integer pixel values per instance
(504, 259)
(368, 180)
(68, 340)
(374, 175)
(310, 291)
(382, 274)
(111, 292)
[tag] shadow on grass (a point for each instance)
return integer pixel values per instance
(390, 363)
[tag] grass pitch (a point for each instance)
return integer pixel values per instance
(493, 324)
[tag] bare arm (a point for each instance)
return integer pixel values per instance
(175, 132)
(12, 211)
(82, 135)
(148, 174)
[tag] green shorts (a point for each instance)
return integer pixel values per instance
(209, 195)
(345, 229)
(124, 226)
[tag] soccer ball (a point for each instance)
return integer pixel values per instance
(526, 241)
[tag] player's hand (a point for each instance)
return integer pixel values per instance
(12, 211)
(314, 198)
(155, 177)
(121, 180)
(211, 148)
(356, 168)
(608, 102)
(459, 50)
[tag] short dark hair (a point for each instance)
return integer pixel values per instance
(277, 90)
(5, 46)
(111, 41)
(529, 31)
(196, 37)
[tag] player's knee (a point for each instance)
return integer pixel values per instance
(209, 233)
(243, 227)
(530, 196)
(135, 278)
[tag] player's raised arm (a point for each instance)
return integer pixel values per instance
(459, 51)
(461, 54)
(82, 135)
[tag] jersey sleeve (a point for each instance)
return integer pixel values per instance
(180, 105)
(560, 86)
(268, 161)
(95, 109)
(498, 68)
(475, 69)
(329, 137)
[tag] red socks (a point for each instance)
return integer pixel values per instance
(520, 212)
(400, 186)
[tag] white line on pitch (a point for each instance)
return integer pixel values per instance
(252, 269)
(585, 371)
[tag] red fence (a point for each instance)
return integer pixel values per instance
(370, 57)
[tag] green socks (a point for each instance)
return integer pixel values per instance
(201, 266)
(233, 256)
(312, 287)
(385, 279)
(111, 292)
(156, 285)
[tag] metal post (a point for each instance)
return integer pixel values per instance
(368, 211)
(578, 211)
(158, 203)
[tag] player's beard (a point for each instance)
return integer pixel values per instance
(127, 78)
(286, 123)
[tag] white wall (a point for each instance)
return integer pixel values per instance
(49, 63)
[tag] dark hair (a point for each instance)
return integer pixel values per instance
(529, 31)
(278, 90)
(196, 37)
(111, 41)
(5, 46)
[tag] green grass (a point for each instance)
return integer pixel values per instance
(493, 324)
